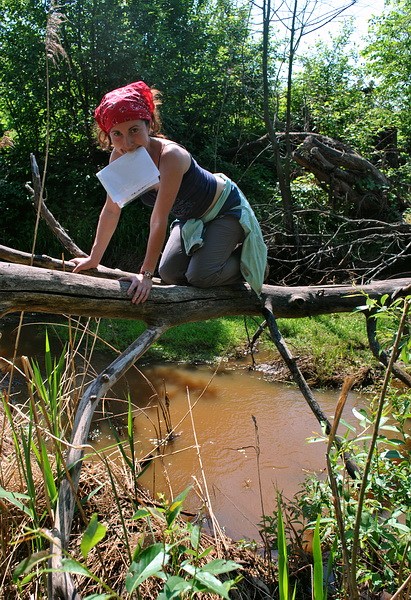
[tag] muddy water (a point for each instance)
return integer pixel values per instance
(218, 406)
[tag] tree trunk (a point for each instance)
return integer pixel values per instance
(33, 289)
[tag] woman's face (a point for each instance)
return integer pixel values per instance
(129, 136)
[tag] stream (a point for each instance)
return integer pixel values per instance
(251, 433)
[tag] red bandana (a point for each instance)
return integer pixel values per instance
(128, 103)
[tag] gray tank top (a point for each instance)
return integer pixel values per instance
(196, 193)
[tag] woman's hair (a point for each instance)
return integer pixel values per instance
(154, 124)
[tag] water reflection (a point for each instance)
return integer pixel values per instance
(223, 405)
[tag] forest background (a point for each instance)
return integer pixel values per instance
(237, 91)
(243, 93)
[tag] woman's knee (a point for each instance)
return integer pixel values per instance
(207, 275)
(198, 278)
(172, 275)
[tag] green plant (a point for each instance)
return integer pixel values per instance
(384, 528)
(319, 590)
(274, 528)
(47, 405)
(366, 517)
(178, 559)
(284, 586)
(127, 449)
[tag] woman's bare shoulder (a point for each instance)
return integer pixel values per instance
(173, 154)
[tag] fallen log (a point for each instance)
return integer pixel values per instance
(351, 179)
(33, 289)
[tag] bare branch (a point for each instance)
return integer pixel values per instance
(54, 225)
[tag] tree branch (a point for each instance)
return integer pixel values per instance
(381, 355)
(54, 225)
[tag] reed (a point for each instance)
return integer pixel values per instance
(284, 584)
(38, 431)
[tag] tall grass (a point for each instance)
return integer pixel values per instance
(167, 550)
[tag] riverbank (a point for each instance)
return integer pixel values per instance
(111, 489)
(328, 348)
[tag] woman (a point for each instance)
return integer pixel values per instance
(215, 240)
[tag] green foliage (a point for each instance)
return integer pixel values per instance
(283, 570)
(389, 59)
(318, 576)
(50, 409)
(178, 560)
(94, 533)
(176, 556)
(275, 528)
(332, 95)
(107, 45)
(387, 313)
(385, 528)
(36, 436)
(344, 341)
(16, 499)
(212, 107)
(377, 524)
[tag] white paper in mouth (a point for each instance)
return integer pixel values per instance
(129, 176)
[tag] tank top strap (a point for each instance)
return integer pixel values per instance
(169, 142)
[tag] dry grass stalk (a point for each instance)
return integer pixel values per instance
(54, 48)
(6, 141)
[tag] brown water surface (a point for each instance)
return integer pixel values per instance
(223, 404)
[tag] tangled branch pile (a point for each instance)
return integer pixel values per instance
(342, 250)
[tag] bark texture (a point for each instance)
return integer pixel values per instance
(33, 289)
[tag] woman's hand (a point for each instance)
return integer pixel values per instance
(140, 287)
(83, 264)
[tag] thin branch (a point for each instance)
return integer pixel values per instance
(380, 354)
(40, 206)
(299, 379)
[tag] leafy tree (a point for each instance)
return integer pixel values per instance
(388, 57)
(296, 20)
(331, 95)
(197, 53)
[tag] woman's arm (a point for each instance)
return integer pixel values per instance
(107, 225)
